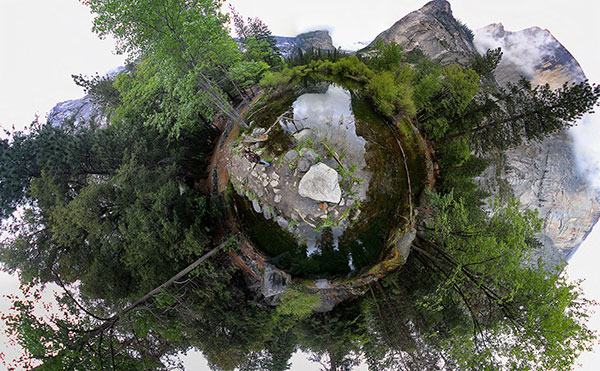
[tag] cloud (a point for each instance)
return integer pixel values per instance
(586, 149)
(526, 48)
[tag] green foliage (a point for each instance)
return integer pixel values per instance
(384, 57)
(187, 43)
(100, 89)
(442, 95)
(297, 302)
(485, 65)
(392, 93)
(256, 40)
(481, 262)
(527, 113)
(466, 30)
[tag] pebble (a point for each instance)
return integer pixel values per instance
(277, 198)
(274, 183)
(283, 223)
(256, 206)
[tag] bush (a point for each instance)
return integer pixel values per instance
(298, 302)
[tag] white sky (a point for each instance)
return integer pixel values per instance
(43, 42)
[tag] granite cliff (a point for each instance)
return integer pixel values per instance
(319, 39)
(435, 31)
(542, 175)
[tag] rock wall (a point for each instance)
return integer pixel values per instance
(78, 112)
(542, 175)
(434, 30)
(319, 39)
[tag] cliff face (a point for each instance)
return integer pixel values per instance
(533, 53)
(542, 175)
(80, 111)
(319, 39)
(434, 30)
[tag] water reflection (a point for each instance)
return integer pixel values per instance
(329, 119)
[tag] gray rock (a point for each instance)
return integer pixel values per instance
(256, 206)
(283, 223)
(277, 198)
(290, 156)
(320, 183)
(258, 131)
(267, 212)
(319, 39)
(542, 175)
(322, 283)
(309, 158)
(274, 183)
(274, 281)
(302, 134)
(433, 30)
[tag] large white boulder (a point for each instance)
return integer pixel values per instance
(320, 183)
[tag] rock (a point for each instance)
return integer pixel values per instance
(323, 206)
(533, 52)
(274, 281)
(290, 156)
(267, 212)
(258, 131)
(81, 112)
(319, 39)
(322, 283)
(309, 158)
(265, 183)
(302, 134)
(256, 206)
(403, 241)
(311, 40)
(433, 30)
(277, 198)
(320, 183)
(274, 183)
(275, 176)
(283, 223)
(542, 175)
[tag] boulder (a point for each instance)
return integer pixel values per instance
(274, 281)
(290, 156)
(309, 158)
(320, 183)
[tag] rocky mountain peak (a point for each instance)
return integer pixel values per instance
(533, 53)
(433, 30)
(319, 39)
(437, 6)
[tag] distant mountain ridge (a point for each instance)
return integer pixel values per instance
(319, 39)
